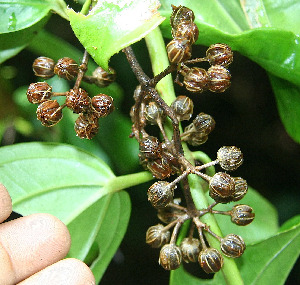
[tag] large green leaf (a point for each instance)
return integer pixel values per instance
(76, 187)
(21, 20)
(113, 25)
(266, 31)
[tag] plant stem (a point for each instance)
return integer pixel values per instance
(86, 7)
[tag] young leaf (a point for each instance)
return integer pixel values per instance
(113, 25)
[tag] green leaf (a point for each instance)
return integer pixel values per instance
(21, 20)
(270, 261)
(113, 25)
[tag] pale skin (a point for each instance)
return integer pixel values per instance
(32, 249)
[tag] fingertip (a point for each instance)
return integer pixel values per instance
(5, 203)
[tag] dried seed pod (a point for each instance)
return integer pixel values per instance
(160, 194)
(190, 249)
(156, 236)
(240, 188)
(211, 260)
(150, 148)
(183, 107)
(78, 101)
(219, 78)
(169, 214)
(195, 139)
(242, 215)
(221, 187)
(66, 68)
(170, 257)
(179, 50)
(230, 157)
(160, 168)
(103, 105)
(49, 113)
(181, 14)
(196, 80)
(186, 30)
(104, 78)
(204, 123)
(232, 245)
(153, 113)
(39, 92)
(86, 126)
(43, 67)
(219, 54)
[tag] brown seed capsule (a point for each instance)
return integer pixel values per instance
(186, 30)
(39, 92)
(86, 126)
(221, 187)
(49, 113)
(156, 236)
(232, 245)
(169, 214)
(170, 257)
(66, 68)
(179, 50)
(204, 123)
(183, 107)
(210, 260)
(195, 139)
(181, 14)
(103, 105)
(219, 78)
(43, 67)
(196, 80)
(104, 78)
(190, 249)
(78, 101)
(153, 113)
(160, 194)
(150, 148)
(240, 188)
(160, 168)
(230, 157)
(242, 215)
(219, 54)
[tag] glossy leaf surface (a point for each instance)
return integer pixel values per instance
(113, 25)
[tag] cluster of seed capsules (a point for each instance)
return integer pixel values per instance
(161, 158)
(185, 33)
(90, 110)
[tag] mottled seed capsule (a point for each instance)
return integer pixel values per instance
(160, 168)
(232, 245)
(153, 113)
(179, 50)
(211, 260)
(150, 148)
(183, 107)
(181, 14)
(196, 80)
(86, 126)
(242, 215)
(39, 92)
(49, 113)
(190, 249)
(160, 194)
(204, 123)
(66, 68)
(170, 257)
(219, 54)
(43, 67)
(240, 188)
(78, 101)
(195, 139)
(230, 157)
(186, 30)
(104, 78)
(156, 236)
(221, 187)
(219, 78)
(103, 105)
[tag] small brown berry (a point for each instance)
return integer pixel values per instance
(219, 78)
(219, 54)
(190, 248)
(240, 188)
(186, 30)
(43, 67)
(183, 107)
(210, 260)
(153, 113)
(221, 187)
(104, 78)
(49, 113)
(160, 168)
(160, 194)
(179, 50)
(78, 101)
(196, 80)
(156, 236)
(103, 105)
(181, 14)
(170, 257)
(230, 157)
(66, 68)
(39, 92)
(86, 126)
(232, 245)
(242, 215)
(150, 148)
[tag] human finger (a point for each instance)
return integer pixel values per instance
(5, 203)
(68, 271)
(29, 244)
